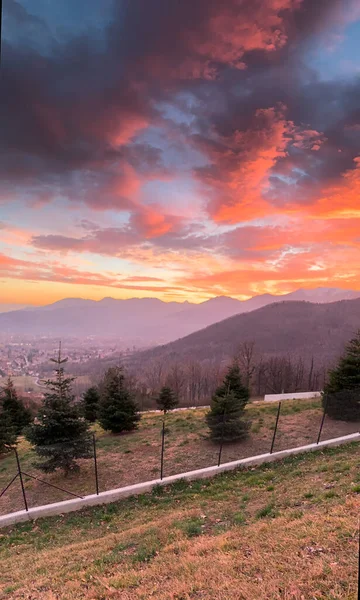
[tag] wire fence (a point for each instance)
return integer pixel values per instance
(157, 456)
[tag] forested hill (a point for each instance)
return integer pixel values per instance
(286, 328)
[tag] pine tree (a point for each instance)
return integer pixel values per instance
(342, 393)
(233, 383)
(117, 411)
(7, 433)
(166, 400)
(90, 404)
(226, 418)
(59, 435)
(18, 416)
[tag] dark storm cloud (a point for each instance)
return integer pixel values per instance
(78, 108)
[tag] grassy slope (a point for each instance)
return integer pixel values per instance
(26, 383)
(283, 531)
(135, 457)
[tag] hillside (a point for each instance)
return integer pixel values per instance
(296, 328)
(128, 459)
(285, 530)
(142, 321)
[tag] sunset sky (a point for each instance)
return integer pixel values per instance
(181, 149)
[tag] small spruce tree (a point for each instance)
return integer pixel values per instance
(341, 395)
(12, 406)
(117, 410)
(90, 404)
(7, 433)
(233, 383)
(226, 418)
(167, 400)
(59, 435)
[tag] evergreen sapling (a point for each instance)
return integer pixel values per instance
(118, 411)
(226, 419)
(7, 433)
(90, 404)
(18, 416)
(166, 400)
(341, 396)
(60, 436)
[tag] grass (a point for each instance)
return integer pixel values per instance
(266, 511)
(191, 527)
(26, 383)
(135, 457)
(215, 539)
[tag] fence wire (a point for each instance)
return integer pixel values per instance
(176, 444)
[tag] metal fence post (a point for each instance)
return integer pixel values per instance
(95, 465)
(222, 438)
(162, 449)
(275, 430)
(322, 420)
(21, 479)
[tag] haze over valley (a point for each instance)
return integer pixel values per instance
(143, 321)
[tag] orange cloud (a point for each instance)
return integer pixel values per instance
(305, 270)
(150, 222)
(340, 200)
(11, 268)
(245, 161)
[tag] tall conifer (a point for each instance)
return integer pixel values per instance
(226, 418)
(18, 416)
(342, 393)
(118, 411)
(59, 435)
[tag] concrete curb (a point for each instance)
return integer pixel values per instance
(59, 508)
(157, 411)
(292, 396)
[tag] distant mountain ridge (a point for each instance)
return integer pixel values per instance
(144, 320)
(11, 307)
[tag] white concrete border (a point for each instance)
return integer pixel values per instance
(157, 411)
(59, 508)
(291, 396)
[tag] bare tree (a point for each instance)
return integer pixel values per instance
(194, 386)
(175, 379)
(275, 372)
(298, 378)
(310, 378)
(246, 358)
(154, 376)
(261, 377)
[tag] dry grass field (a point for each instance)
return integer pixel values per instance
(135, 457)
(25, 384)
(283, 531)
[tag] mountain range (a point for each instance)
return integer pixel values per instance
(147, 321)
(297, 329)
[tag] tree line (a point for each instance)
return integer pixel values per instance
(194, 382)
(61, 431)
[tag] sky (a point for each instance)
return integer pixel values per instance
(179, 150)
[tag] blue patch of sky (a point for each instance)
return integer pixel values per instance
(110, 218)
(288, 179)
(48, 21)
(176, 153)
(340, 60)
(23, 215)
(116, 265)
(179, 115)
(178, 196)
